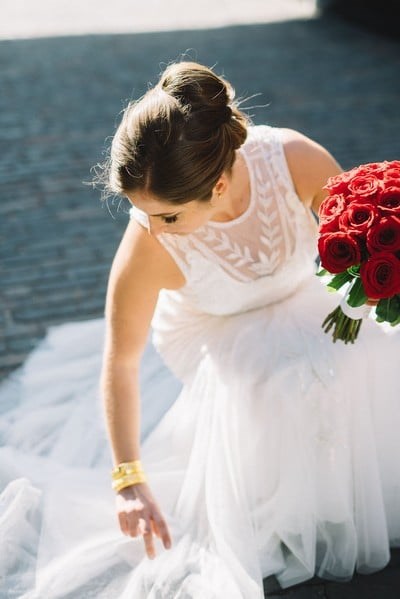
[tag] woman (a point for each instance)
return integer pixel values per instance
(279, 454)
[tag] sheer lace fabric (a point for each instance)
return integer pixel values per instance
(261, 255)
(264, 236)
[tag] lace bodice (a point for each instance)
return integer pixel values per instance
(257, 258)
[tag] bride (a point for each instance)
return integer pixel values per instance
(241, 442)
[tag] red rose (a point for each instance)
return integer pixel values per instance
(392, 174)
(393, 164)
(380, 275)
(366, 186)
(358, 217)
(329, 226)
(373, 168)
(339, 183)
(384, 235)
(392, 170)
(391, 183)
(389, 201)
(338, 251)
(329, 211)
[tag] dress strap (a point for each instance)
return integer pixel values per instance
(170, 242)
(140, 216)
(281, 170)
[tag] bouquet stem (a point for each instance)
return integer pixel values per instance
(345, 328)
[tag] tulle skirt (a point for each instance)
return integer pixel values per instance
(278, 454)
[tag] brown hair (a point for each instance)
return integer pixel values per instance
(176, 141)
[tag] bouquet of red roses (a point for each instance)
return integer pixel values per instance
(359, 244)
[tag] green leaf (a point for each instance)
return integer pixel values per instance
(339, 280)
(357, 295)
(388, 310)
(395, 322)
(322, 272)
(354, 270)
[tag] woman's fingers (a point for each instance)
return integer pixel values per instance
(145, 530)
(123, 523)
(163, 530)
(128, 513)
(141, 516)
(154, 527)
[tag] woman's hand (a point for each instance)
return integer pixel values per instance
(139, 514)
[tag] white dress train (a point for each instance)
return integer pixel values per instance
(270, 449)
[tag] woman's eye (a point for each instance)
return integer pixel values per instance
(170, 219)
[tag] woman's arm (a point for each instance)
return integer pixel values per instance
(310, 166)
(141, 267)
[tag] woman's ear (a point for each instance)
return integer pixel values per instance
(221, 185)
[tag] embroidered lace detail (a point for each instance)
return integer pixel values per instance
(260, 240)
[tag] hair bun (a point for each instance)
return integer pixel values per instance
(179, 137)
(227, 114)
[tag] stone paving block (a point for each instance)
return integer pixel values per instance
(20, 344)
(11, 361)
(385, 585)
(24, 276)
(12, 329)
(60, 312)
(18, 291)
(302, 592)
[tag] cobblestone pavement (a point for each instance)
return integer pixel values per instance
(60, 96)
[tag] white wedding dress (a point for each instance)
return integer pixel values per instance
(270, 449)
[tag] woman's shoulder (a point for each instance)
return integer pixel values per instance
(307, 163)
(310, 165)
(293, 140)
(141, 256)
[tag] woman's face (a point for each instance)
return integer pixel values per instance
(164, 217)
